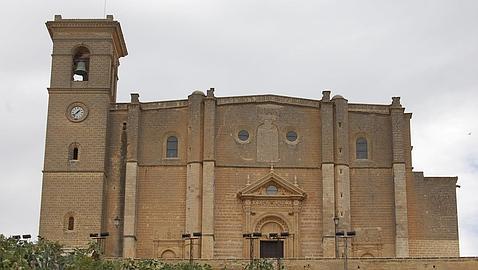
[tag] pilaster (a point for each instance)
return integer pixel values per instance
(129, 231)
(342, 172)
(399, 179)
(209, 163)
(194, 167)
(328, 186)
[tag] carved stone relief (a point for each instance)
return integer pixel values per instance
(267, 142)
(368, 242)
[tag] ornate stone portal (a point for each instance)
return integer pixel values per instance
(272, 205)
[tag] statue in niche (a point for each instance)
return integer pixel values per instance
(267, 142)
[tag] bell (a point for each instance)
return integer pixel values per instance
(80, 68)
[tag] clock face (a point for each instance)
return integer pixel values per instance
(77, 112)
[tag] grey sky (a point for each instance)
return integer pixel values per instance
(368, 51)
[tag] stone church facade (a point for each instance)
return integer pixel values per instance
(148, 172)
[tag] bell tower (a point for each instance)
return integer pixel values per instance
(84, 74)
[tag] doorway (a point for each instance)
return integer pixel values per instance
(272, 249)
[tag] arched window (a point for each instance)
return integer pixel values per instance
(361, 148)
(74, 152)
(172, 147)
(71, 223)
(81, 64)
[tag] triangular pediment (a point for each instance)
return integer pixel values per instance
(272, 186)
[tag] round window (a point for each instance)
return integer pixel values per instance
(291, 136)
(271, 190)
(243, 135)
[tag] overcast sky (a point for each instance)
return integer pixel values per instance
(368, 51)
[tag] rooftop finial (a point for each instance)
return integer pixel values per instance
(210, 92)
(326, 95)
(134, 98)
(396, 102)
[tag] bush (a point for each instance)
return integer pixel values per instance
(47, 255)
(261, 264)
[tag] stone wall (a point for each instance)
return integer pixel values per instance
(433, 217)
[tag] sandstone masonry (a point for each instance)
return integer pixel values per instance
(148, 172)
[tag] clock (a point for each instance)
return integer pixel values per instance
(76, 112)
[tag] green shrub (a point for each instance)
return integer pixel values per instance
(262, 264)
(47, 255)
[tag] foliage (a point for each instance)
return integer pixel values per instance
(261, 264)
(47, 255)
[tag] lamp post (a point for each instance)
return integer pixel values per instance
(25, 237)
(251, 237)
(100, 240)
(345, 235)
(278, 237)
(116, 222)
(188, 236)
(336, 223)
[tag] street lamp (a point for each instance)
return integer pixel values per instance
(188, 236)
(345, 235)
(25, 237)
(100, 240)
(116, 222)
(251, 237)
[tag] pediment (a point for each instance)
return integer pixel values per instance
(285, 189)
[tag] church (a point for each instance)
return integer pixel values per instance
(228, 177)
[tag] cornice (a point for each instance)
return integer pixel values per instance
(97, 24)
(268, 99)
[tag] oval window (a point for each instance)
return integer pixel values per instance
(291, 136)
(271, 190)
(243, 135)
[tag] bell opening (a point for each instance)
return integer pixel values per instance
(81, 60)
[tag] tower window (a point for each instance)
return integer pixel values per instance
(74, 152)
(172, 147)
(71, 223)
(81, 64)
(361, 148)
